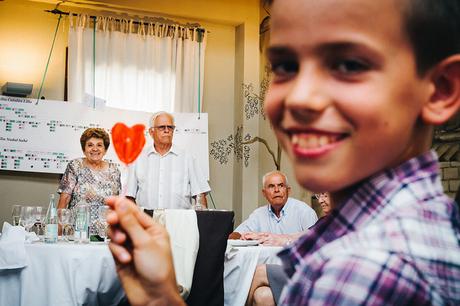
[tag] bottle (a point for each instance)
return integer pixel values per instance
(51, 222)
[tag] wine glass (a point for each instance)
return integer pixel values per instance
(65, 220)
(27, 218)
(159, 216)
(16, 214)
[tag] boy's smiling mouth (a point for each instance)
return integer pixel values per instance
(313, 143)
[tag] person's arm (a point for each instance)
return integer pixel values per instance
(131, 186)
(251, 224)
(308, 217)
(197, 180)
(242, 229)
(67, 185)
(204, 200)
(142, 252)
(64, 200)
(117, 178)
(270, 239)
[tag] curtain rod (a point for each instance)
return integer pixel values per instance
(57, 11)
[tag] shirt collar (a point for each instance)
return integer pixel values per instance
(368, 199)
(173, 150)
(283, 211)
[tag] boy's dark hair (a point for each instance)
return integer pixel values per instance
(433, 29)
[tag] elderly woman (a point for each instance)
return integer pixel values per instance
(90, 179)
(325, 202)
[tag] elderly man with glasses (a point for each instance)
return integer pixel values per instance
(282, 220)
(164, 175)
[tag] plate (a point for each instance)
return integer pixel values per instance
(238, 242)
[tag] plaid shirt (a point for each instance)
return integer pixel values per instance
(395, 241)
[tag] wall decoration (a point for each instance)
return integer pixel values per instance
(254, 103)
(221, 149)
(251, 101)
(276, 159)
(237, 146)
(263, 88)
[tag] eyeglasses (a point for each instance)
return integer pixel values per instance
(321, 195)
(164, 127)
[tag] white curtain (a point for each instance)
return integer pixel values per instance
(147, 67)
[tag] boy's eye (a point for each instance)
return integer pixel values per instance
(284, 69)
(349, 66)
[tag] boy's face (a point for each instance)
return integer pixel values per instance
(345, 97)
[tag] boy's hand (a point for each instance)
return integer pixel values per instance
(142, 252)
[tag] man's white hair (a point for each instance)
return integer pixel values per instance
(265, 177)
(155, 116)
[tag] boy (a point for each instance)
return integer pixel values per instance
(357, 87)
(353, 99)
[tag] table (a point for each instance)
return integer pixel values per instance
(239, 267)
(63, 274)
(84, 274)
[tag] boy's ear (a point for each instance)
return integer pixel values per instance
(445, 100)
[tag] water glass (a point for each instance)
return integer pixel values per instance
(16, 214)
(82, 219)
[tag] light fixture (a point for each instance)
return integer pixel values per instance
(16, 89)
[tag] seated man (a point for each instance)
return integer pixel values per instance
(281, 221)
(269, 280)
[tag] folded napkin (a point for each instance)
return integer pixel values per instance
(182, 227)
(12, 251)
(230, 251)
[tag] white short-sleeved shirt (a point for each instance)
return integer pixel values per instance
(168, 181)
(295, 216)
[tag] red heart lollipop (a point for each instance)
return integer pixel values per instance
(128, 141)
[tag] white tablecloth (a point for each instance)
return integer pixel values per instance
(239, 267)
(62, 274)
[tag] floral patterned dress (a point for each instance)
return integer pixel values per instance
(89, 187)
